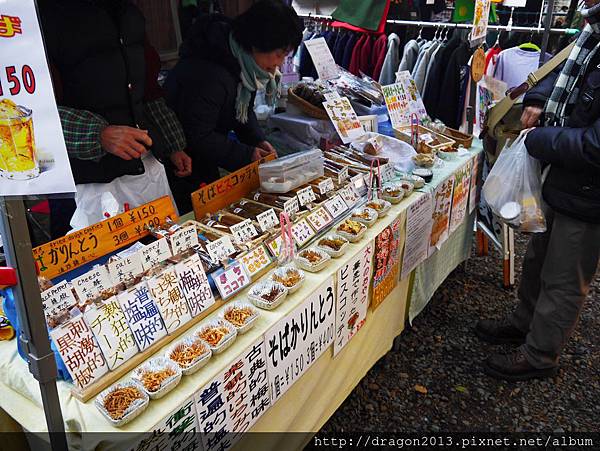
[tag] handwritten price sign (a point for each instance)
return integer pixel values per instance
(306, 196)
(183, 239)
(255, 261)
(267, 220)
(292, 206)
(302, 232)
(220, 249)
(243, 231)
(319, 219)
(326, 186)
(343, 175)
(349, 196)
(336, 206)
(231, 280)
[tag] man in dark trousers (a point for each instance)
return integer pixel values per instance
(560, 263)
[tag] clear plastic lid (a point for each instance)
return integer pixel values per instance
(288, 162)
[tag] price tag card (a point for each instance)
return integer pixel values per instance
(336, 206)
(343, 175)
(358, 181)
(275, 246)
(169, 299)
(332, 95)
(349, 196)
(244, 231)
(194, 284)
(322, 58)
(326, 186)
(183, 239)
(255, 261)
(220, 249)
(387, 173)
(125, 269)
(155, 253)
(267, 220)
(319, 219)
(57, 299)
(231, 280)
(92, 283)
(306, 196)
(302, 232)
(291, 207)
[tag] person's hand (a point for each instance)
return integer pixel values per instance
(125, 142)
(531, 116)
(266, 145)
(259, 153)
(182, 163)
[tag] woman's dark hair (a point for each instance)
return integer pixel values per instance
(268, 25)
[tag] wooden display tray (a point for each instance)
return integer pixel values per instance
(462, 139)
(403, 133)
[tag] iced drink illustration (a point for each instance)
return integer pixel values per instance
(18, 159)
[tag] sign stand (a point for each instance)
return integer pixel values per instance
(34, 338)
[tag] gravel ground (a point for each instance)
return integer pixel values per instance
(442, 354)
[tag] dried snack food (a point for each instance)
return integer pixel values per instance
(238, 315)
(214, 335)
(118, 401)
(290, 278)
(267, 295)
(187, 352)
(351, 227)
(153, 379)
(333, 243)
(311, 256)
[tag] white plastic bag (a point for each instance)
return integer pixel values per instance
(513, 188)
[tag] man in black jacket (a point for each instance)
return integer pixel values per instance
(560, 263)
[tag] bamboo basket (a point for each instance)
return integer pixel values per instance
(306, 107)
(462, 139)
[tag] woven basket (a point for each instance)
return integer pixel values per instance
(462, 139)
(403, 133)
(306, 107)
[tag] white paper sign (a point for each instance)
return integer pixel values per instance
(326, 186)
(344, 119)
(291, 207)
(302, 232)
(80, 351)
(155, 253)
(256, 260)
(220, 249)
(126, 268)
(170, 300)
(480, 21)
(34, 157)
(319, 219)
(353, 280)
(183, 239)
(358, 184)
(306, 196)
(349, 196)
(297, 340)
(415, 102)
(177, 430)
(231, 280)
(57, 299)
(418, 231)
(92, 283)
(110, 328)
(387, 173)
(142, 315)
(322, 58)
(343, 175)
(243, 231)
(336, 206)
(267, 220)
(194, 284)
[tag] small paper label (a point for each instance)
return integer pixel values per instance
(275, 246)
(243, 231)
(220, 249)
(319, 219)
(326, 186)
(343, 175)
(231, 280)
(155, 253)
(306, 196)
(267, 220)
(183, 239)
(255, 261)
(291, 207)
(333, 95)
(125, 269)
(302, 232)
(336, 206)
(359, 183)
(92, 283)
(426, 138)
(387, 173)
(58, 298)
(349, 196)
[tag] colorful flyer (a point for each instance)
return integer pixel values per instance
(344, 119)
(442, 205)
(385, 273)
(460, 196)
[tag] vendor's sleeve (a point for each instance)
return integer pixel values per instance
(81, 130)
(168, 124)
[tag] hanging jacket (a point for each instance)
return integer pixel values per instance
(340, 46)
(391, 61)
(349, 51)
(409, 56)
(365, 64)
(432, 95)
(434, 56)
(451, 89)
(378, 55)
(355, 62)
(421, 70)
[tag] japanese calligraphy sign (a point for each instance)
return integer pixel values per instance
(460, 196)
(80, 351)
(319, 219)
(387, 249)
(194, 285)
(57, 299)
(86, 245)
(220, 249)
(306, 196)
(184, 239)
(267, 220)
(442, 204)
(231, 280)
(292, 206)
(155, 253)
(34, 157)
(142, 315)
(302, 232)
(244, 231)
(353, 280)
(112, 333)
(326, 186)
(349, 196)
(343, 175)
(234, 400)
(228, 189)
(256, 260)
(336, 206)
(418, 231)
(344, 119)
(299, 339)
(125, 269)
(474, 188)
(92, 283)
(170, 300)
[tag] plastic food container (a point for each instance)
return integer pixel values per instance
(448, 155)
(262, 288)
(407, 186)
(226, 341)
(284, 272)
(197, 363)
(248, 322)
(158, 364)
(384, 206)
(353, 238)
(393, 193)
(331, 251)
(133, 411)
(305, 264)
(372, 216)
(288, 173)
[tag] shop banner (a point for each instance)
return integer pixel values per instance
(86, 245)
(169, 299)
(385, 273)
(344, 119)
(474, 188)
(480, 21)
(442, 204)
(33, 156)
(460, 196)
(322, 58)
(234, 400)
(299, 339)
(79, 350)
(418, 231)
(110, 328)
(353, 283)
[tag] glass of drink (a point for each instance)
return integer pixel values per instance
(18, 160)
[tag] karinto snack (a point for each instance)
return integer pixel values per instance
(238, 315)
(272, 294)
(153, 379)
(185, 354)
(119, 400)
(214, 335)
(313, 257)
(290, 278)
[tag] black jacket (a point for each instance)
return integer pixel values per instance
(97, 53)
(202, 90)
(573, 183)
(451, 86)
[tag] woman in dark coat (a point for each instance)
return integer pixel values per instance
(213, 86)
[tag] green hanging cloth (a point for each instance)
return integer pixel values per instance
(464, 11)
(365, 14)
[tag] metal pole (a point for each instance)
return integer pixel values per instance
(547, 28)
(28, 302)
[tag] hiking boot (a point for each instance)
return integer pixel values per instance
(499, 332)
(515, 367)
